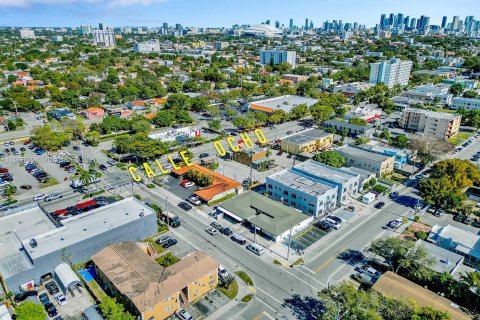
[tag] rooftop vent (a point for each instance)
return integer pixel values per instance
(33, 243)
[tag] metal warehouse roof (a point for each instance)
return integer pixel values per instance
(267, 214)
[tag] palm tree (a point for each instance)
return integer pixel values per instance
(86, 177)
(10, 192)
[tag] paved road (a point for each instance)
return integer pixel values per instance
(277, 288)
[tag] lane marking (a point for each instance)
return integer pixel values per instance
(326, 263)
(323, 284)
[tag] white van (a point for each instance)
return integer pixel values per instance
(256, 248)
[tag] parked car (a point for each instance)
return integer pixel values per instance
(216, 225)
(183, 315)
(163, 240)
(3, 170)
(222, 272)
(238, 239)
(24, 295)
(169, 243)
(63, 164)
(187, 183)
(26, 187)
(111, 162)
(227, 231)
(194, 200)
(324, 225)
(51, 310)
(60, 299)
(212, 231)
(203, 155)
(185, 206)
(379, 205)
(439, 213)
(43, 298)
(52, 288)
(76, 148)
(53, 196)
(39, 197)
(335, 224)
(393, 195)
(102, 167)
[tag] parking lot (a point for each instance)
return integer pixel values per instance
(207, 305)
(306, 238)
(181, 249)
(78, 299)
(173, 185)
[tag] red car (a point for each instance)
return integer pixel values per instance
(187, 183)
(60, 212)
(27, 142)
(3, 170)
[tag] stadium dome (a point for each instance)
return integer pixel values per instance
(263, 30)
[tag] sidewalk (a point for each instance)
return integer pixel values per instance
(243, 290)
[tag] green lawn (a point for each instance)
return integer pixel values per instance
(459, 138)
(167, 260)
(244, 277)
(231, 291)
(247, 298)
(155, 245)
(298, 261)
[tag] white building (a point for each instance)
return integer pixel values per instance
(429, 92)
(278, 57)
(467, 103)
(152, 45)
(27, 34)
(104, 38)
(431, 123)
(390, 72)
(220, 45)
(263, 30)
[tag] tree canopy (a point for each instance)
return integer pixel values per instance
(331, 158)
(30, 311)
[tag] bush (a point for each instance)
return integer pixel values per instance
(421, 235)
(167, 260)
(379, 188)
(247, 298)
(231, 291)
(30, 311)
(277, 262)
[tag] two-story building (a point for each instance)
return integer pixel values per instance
(364, 158)
(149, 291)
(309, 140)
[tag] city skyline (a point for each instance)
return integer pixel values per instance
(151, 13)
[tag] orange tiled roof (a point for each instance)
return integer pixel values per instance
(220, 183)
(150, 115)
(260, 108)
(138, 103)
(282, 81)
(17, 83)
(22, 74)
(93, 109)
(158, 100)
(32, 87)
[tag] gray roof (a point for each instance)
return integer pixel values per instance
(298, 181)
(445, 260)
(13, 259)
(285, 103)
(434, 114)
(349, 150)
(87, 225)
(362, 172)
(305, 136)
(26, 222)
(267, 214)
(317, 169)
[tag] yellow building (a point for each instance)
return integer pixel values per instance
(198, 44)
(310, 140)
(129, 272)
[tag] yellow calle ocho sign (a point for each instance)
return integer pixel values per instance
(221, 151)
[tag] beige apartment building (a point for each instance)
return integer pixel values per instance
(431, 123)
(309, 140)
(364, 158)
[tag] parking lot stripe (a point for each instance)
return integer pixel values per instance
(326, 263)
(301, 234)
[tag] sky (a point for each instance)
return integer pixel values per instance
(220, 13)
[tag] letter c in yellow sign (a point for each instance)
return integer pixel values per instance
(132, 171)
(220, 149)
(234, 148)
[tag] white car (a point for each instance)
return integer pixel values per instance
(212, 231)
(53, 196)
(189, 184)
(168, 166)
(222, 272)
(4, 183)
(111, 162)
(60, 299)
(183, 315)
(39, 197)
(394, 224)
(195, 200)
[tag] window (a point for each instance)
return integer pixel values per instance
(294, 204)
(294, 196)
(269, 186)
(310, 211)
(311, 204)
(269, 193)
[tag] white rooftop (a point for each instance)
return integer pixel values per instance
(87, 225)
(26, 223)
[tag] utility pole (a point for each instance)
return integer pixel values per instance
(250, 183)
(289, 241)
(166, 211)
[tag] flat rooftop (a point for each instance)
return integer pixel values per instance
(445, 260)
(26, 222)
(433, 114)
(267, 214)
(13, 259)
(361, 153)
(311, 186)
(305, 136)
(285, 103)
(321, 170)
(87, 225)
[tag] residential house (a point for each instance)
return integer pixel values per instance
(149, 291)
(92, 112)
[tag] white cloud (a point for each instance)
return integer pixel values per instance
(107, 3)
